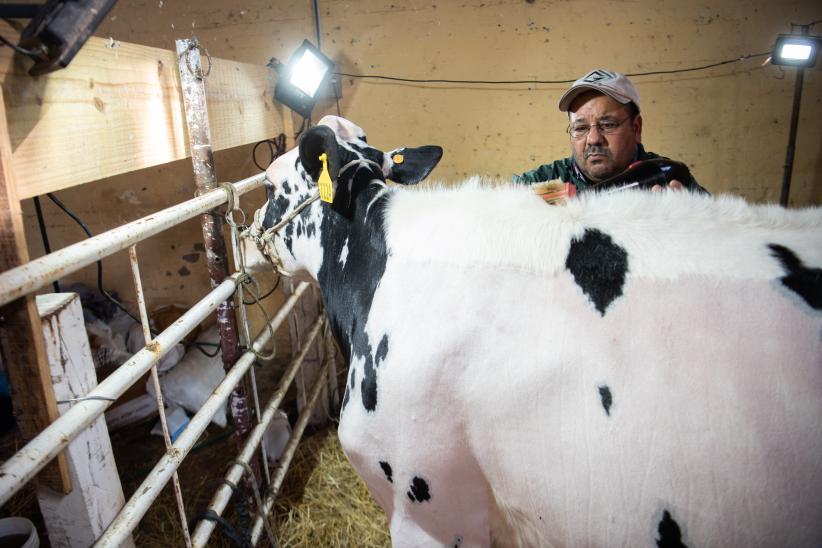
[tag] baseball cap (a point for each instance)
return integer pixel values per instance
(613, 84)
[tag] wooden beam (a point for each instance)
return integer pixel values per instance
(78, 518)
(117, 108)
(21, 332)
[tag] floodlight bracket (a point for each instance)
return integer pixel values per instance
(58, 29)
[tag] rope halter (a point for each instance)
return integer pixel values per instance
(263, 238)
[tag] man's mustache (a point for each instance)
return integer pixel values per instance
(596, 149)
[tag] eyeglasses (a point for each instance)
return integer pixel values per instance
(606, 127)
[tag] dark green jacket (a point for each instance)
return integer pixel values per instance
(567, 171)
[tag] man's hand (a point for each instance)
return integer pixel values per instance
(673, 185)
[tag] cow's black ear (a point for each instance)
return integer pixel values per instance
(313, 143)
(411, 165)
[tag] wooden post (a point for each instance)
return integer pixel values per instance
(79, 518)
(21, 336)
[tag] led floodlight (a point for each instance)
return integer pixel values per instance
(796, 50)
(302, 77)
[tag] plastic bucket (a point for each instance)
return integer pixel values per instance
(18, 533)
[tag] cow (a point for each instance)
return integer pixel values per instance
(627, 369)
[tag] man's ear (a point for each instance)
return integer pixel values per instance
(313, 143)
(408, 166)
(637, 128)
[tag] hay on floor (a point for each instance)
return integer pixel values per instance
(323, 502)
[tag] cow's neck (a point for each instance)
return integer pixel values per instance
(354, 258)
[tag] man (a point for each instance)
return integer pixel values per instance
(605, 128)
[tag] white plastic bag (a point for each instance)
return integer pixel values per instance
(136, 342)
(193, 380)
(276, 437)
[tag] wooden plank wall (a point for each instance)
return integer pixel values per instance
(21, 333)
(117, 108)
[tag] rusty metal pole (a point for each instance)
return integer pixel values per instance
(192, 80)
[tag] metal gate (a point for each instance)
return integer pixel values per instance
(16, 283)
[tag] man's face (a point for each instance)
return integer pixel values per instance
(600, 156)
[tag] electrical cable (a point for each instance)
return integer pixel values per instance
(111, 298)
(809, 25)
(268, 294)
(6, 42)
(254, 153)
(86, 229)
(41, 222)
(276, 147)
(535, 81)
(336, 98)
(703, 67)
(305, 122)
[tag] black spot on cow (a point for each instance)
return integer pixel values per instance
(288, 237)
(386, 468)
(305, 213)
(299, 230)
(277, 207)
(191, 257)
(369, 153)
(607, 398)
(419, 490)
(382, 350)
(184, 271)
(598, 266)
(199, 247)
(286, 188)
(310, 229)
(803, 280)
(369, 384)
(670, 536)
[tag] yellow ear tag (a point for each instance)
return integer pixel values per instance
(398, 158)
(326, 189)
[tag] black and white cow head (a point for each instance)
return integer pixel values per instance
(358, 172)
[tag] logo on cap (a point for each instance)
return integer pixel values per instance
(598, 76)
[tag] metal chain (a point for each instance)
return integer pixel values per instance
(245, 282)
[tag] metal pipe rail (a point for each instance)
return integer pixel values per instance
(138, 505)
(35, 274)
(24, 464)
(158, 390)
(288, 453)
(235, 472)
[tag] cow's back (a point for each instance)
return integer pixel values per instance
(683, 400)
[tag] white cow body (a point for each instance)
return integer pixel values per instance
(509, 400)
